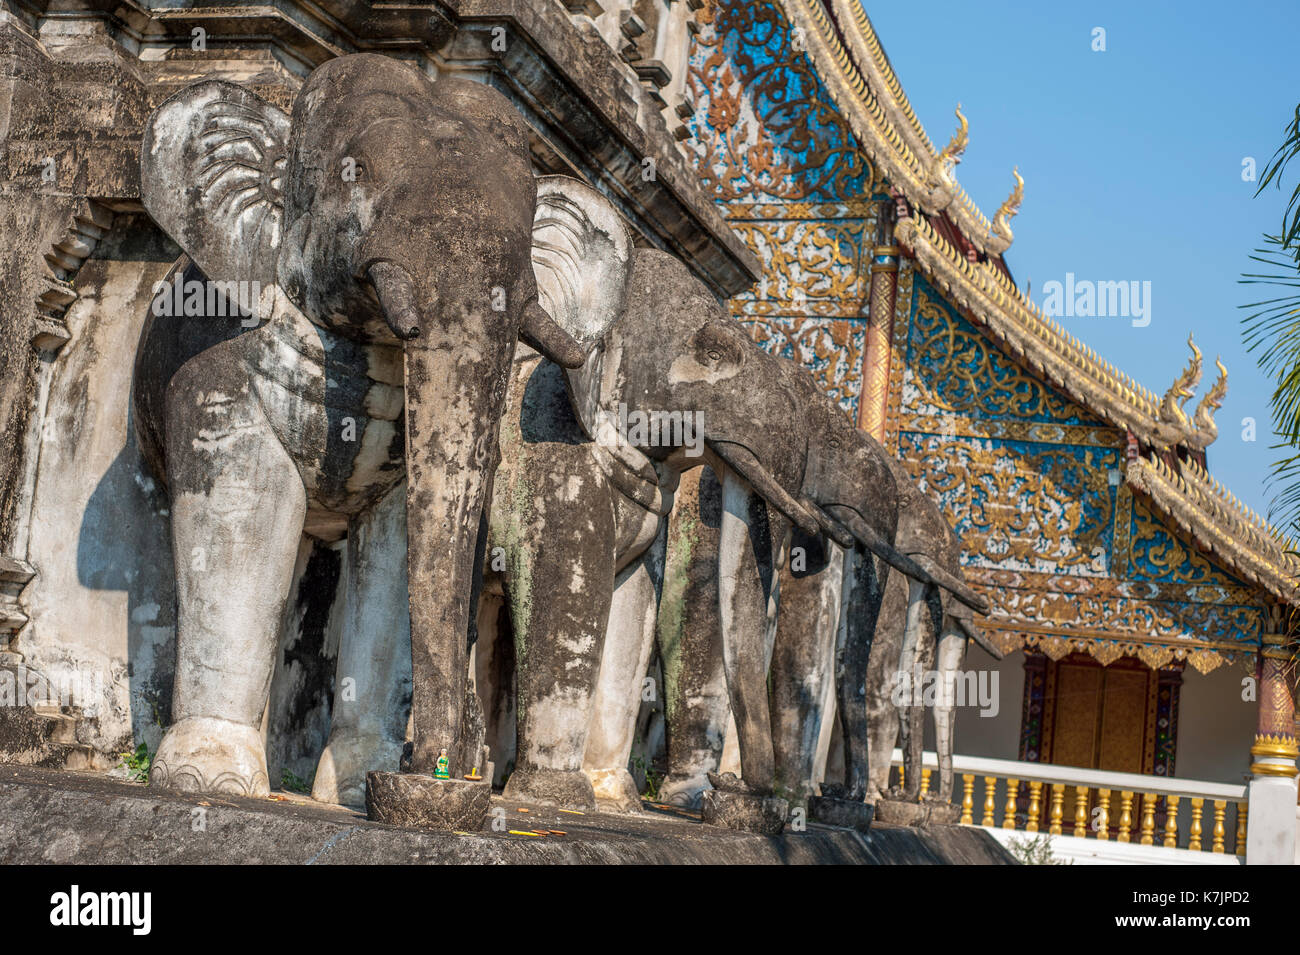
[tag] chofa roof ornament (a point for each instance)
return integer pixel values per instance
(1199, 431)
(1000, 236)
(941, 182)
(952, 153)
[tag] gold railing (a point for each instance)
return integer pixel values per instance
(1094, 804)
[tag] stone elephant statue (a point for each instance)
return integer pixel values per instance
(385, 227)
(919, 630)
(851, 483)
(591, 460)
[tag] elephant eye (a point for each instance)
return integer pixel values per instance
(835, 444)
(715, 354)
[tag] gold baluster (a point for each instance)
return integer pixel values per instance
(1125, 815)
(1239, 846)
(1035, 790)
(925, 781)
(1103, 814)
(1194, 829)
(1220, 807)
(1058, 809)
(1009, 815)
(967, 799)
(1081, 811)
(1148, 819)
(1171, 822)
(990, 782)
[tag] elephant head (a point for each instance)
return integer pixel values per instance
(387, 208)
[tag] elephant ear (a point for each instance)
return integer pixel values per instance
(211, 168)
(582, 253)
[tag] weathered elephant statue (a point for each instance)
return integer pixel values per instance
(823, 591)
(583, 489)
(387, 225)
(919, 630)
(590, 463)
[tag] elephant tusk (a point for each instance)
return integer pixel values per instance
(396, 294)
(954, 586)
(829, 525)
(976, 635)
(541, 332)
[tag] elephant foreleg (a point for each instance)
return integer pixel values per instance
(856, 632)
(238, 506)
(929, 616)
(629, 639)
(803, 664)
(559, 581)
(952, 646)
(372, 683)
(696, 709)
(882, 677)
(908, 688)
(744, 543)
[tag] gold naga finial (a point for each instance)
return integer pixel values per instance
(1000, 235)
(1211, 401)
(952, 153)
(1181, 391)
(1011, 206)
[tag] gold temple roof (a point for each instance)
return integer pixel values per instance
(852, 64)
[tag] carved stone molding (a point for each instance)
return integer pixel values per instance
(62, 262)
(15, 574)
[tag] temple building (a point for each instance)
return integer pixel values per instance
(1144, 613)
(1136, 600)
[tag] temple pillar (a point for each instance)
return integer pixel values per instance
(873, 402)
(1271, 825)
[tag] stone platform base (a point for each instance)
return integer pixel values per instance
(52, 816)
(898, 812)
(845, 813)
(415, 801)
(744, 811)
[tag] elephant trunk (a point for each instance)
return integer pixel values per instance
(397, 298)
(456, 370)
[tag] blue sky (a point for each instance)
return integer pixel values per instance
(1132, 160)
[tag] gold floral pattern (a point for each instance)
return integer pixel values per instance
(1041, 508)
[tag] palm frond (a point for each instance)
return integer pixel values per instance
(1272, 334)
(1289, 149)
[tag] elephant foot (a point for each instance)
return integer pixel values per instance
(203, 754)
(845, 813)
(748, 812)
(905, 812)
(797, 796)
(341, 772)
(683, 791)
(569, 788)
(416, 801)
(615, 789)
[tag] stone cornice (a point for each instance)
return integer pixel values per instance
(588, 115)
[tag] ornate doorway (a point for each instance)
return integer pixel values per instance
(1122, 717)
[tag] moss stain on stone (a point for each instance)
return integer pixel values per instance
(672, 609)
